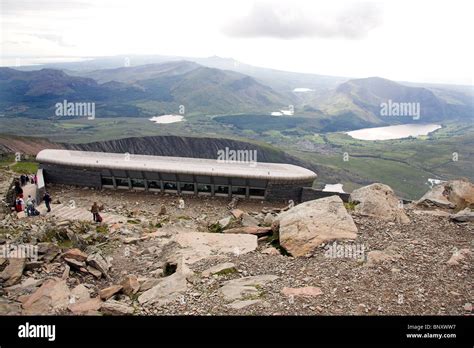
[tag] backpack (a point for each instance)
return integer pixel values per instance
(99, 218)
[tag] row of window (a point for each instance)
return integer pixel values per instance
(174, 177)
(171, 186)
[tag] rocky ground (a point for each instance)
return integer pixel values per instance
(166, 259)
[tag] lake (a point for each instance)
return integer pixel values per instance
(393, 132)
(167, 119)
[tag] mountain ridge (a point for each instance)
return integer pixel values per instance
(161, 88)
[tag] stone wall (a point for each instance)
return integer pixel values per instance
(10, 196)
(284, 192)
(71, 176)
(58, 174)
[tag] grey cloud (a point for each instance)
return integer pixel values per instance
(270, 21)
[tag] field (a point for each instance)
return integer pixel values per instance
(21, 167)
(405, 164)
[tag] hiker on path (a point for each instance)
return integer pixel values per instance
(95, 212)
(18, 190)
(19, 204)
(22, 180)
(30, 206)
(47, 201)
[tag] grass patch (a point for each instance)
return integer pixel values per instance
(65, 244)
(227, 271)
(350, 206)
(25, 167)
(104, 229)
(215, 228)
(50, 235)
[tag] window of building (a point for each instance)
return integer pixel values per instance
(204, 189)
(256, 193)
(107, 182)
(187, 187)
(122, 182)
(221, 190)
(138, 183)
(238, 191)
(170, 186)
(154, 185)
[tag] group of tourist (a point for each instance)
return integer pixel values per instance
(28, 179)
(28, 206)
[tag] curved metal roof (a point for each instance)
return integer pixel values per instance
(179, 165)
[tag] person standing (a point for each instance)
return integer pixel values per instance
(95, 212)
(18, 190)
(47, 201)
(19, 204)
(29, 206)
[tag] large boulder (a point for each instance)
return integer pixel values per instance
(110, 291)
(75, 254)
(312, 223)
(379, 201)
(13, 272)
(435, 198)
(98, 262)
(130, 285)
(165, 291)
(88, 307)
(195, 246)
(8, 307)
(112, 307)
(249, 221)
(454, 194)
(465, 215)
(53, 295)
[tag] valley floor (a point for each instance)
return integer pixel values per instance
(404, 164)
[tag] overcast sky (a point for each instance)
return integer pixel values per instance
(417, 40)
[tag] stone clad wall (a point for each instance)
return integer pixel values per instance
(279, 191)
(71, 176)
(10, 196)
(284, 192)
